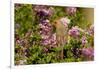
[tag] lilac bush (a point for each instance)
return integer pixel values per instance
(52, 34)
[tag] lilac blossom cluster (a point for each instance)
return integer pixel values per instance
(48, 37)
(71, 10)
(44, 11)
(74, 32)
(91, 30)
(89, 52)
(65, 21)
(19, 41)
(84, 40)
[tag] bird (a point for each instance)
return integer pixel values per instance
(61, 26)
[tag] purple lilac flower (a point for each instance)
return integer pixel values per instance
(44, 21)
(45, 42)
(74, 31)
(84, 40)
(38, 8)
(88, 51)
(51, 41)
(71, 10)
(20, 42)
(48, 38)
(65, 21)
(91, 30)
(45, 27)
(45, 49)
(43, 11)
(44, 36)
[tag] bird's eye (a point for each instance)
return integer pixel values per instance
(55, 22)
